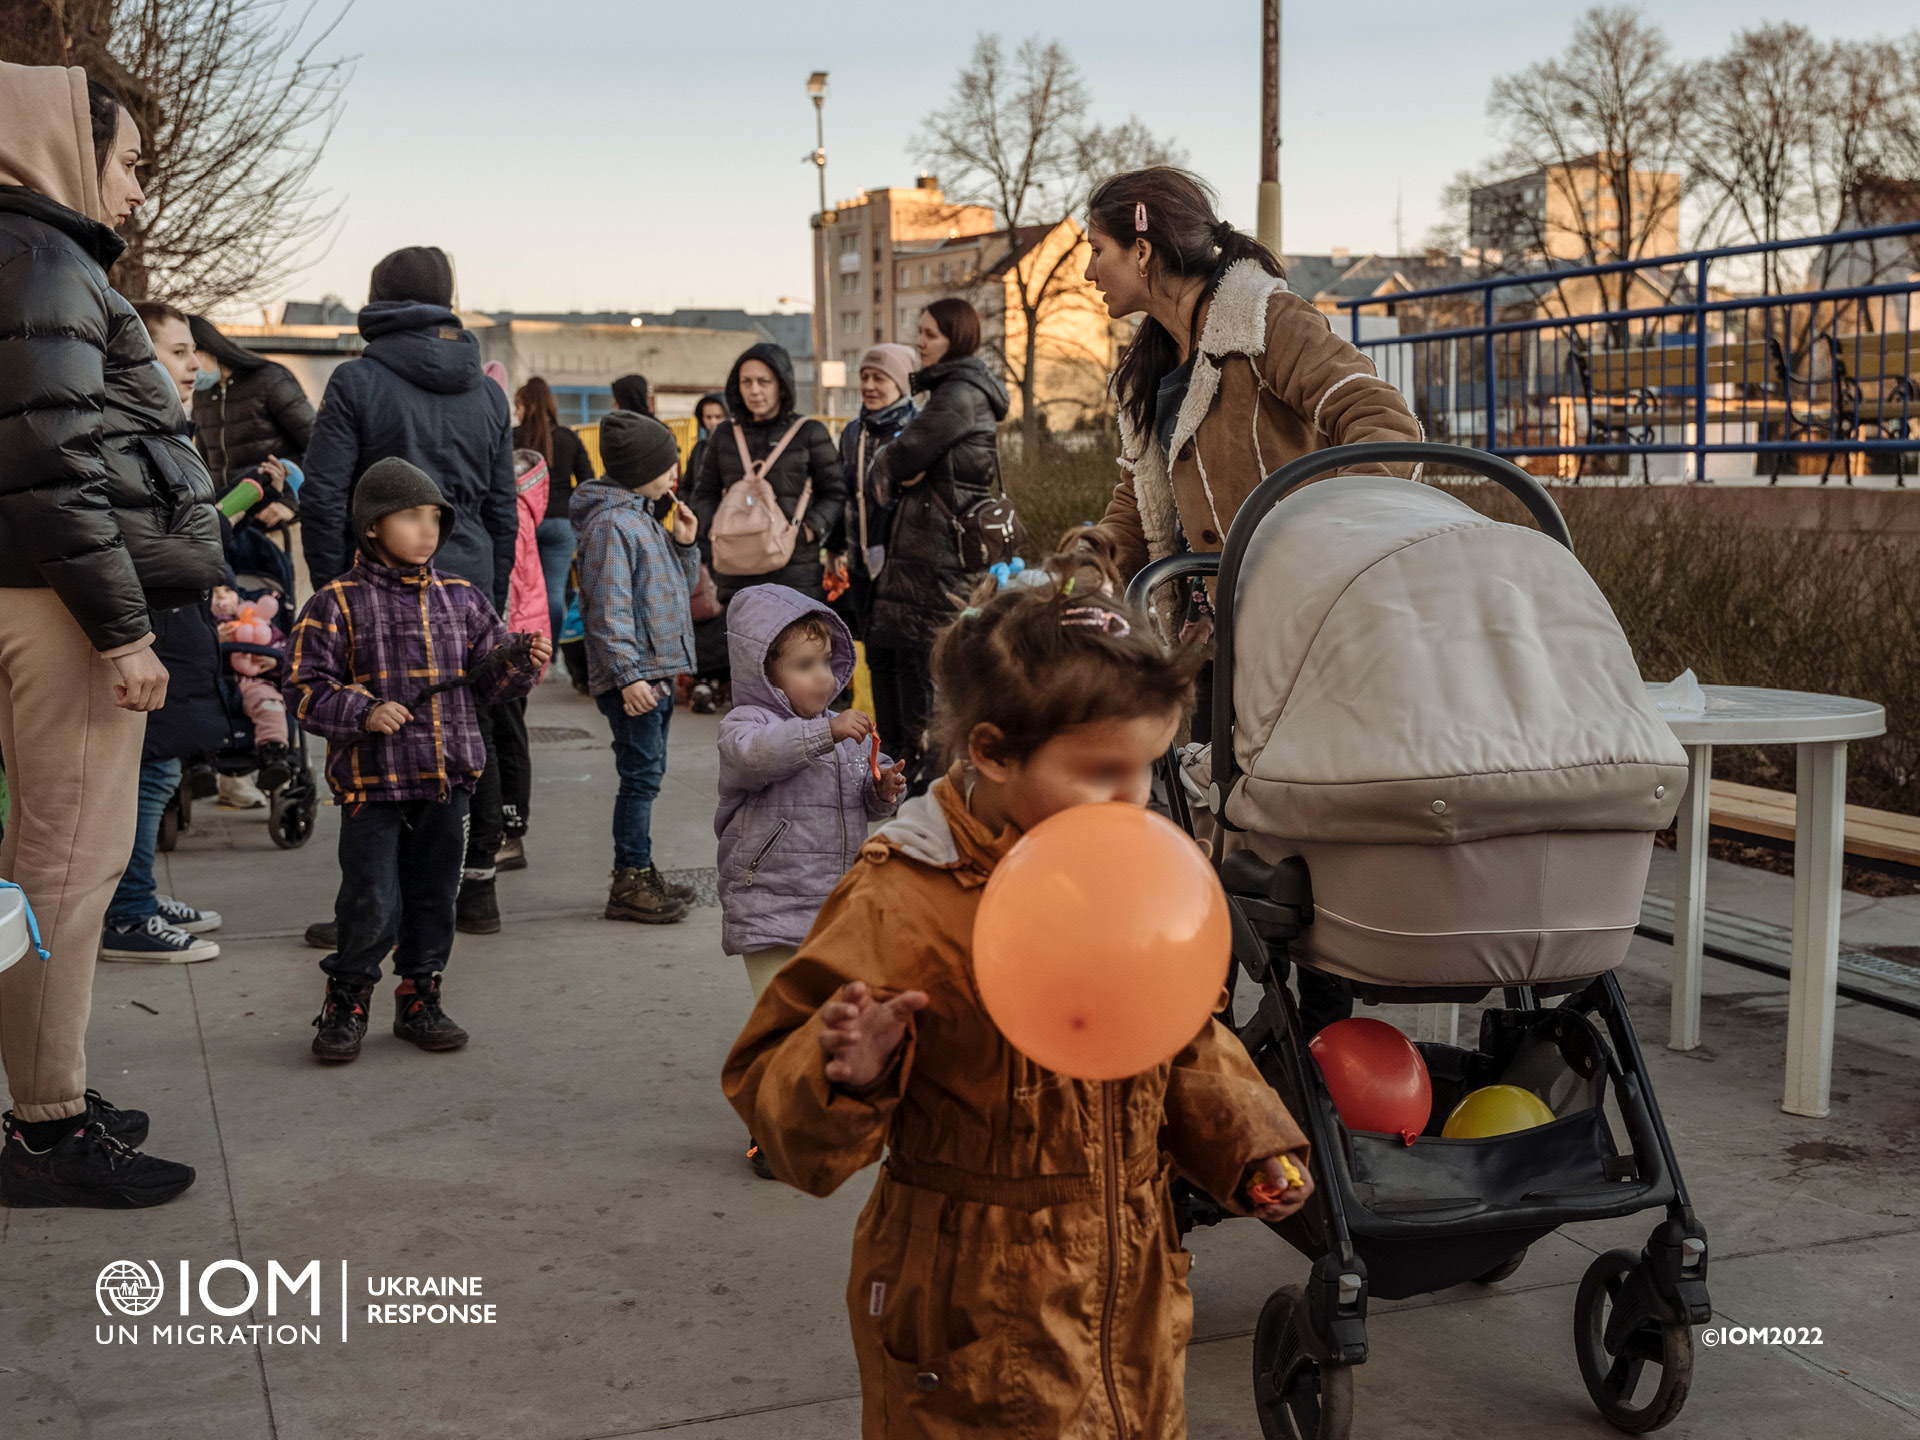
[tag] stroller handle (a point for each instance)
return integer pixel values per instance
(1270, 491)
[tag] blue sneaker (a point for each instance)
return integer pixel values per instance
(182, 916)
(154, 942)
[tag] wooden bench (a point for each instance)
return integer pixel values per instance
(1880, 839)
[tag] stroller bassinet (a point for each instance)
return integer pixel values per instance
(1435, 773)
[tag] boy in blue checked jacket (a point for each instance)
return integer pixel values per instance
(364, 648)
(635, 580)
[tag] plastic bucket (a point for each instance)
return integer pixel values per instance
(15, 939)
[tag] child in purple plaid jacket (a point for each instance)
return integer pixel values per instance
(364, 648)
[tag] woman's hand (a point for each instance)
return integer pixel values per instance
(640, 697)
(1276, 1190)
(862, 1033)
(387, 717)
(142, 686)
(850, 725)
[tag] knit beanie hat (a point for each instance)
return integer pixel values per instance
(394, 484)
(421, 273)
(636, 449)
(896, 362)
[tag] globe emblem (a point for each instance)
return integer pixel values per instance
(132, 1290)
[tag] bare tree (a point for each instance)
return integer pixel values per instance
(1589, 172)
(235, 104)
(1015, 137)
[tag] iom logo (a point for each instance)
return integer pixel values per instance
(130, 1290)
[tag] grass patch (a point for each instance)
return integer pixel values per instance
(1838, 614)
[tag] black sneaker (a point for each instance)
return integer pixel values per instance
(129, 1127)
(705, 699)
(757, 1158)
(85, 1167)
(342, 1021)
(323, 935)
(276, 768)
(685, 894)
(417, 1015)
(476, 911)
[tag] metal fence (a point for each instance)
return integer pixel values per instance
(1784, 358)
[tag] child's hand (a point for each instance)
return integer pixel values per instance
(387, 717)
(686, 525)
(640, 697)
(227, 629)
(862, 1033)
(851, 725)
(893, 782)
(1277, 1190)
(540, 651)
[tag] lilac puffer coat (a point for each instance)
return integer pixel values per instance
(794, 803)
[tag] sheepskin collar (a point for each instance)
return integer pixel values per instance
(1236, 325)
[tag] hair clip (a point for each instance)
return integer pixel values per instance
(1095, 617)
(1067, 588)
(1005, 571)
(972, 612)
(1139, 217)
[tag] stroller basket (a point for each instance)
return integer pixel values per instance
(1444, 912)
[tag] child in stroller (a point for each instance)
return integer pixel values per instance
(1435, 774)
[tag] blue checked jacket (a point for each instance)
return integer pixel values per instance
(634, 588)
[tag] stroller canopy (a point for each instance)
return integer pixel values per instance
(1409, 671)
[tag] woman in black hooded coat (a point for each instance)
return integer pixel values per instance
(809, 458)
(250, 409)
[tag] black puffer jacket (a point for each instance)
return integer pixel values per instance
(944, 460)
(417, 393)
(102, 497)
(202, 713)
(257, 412)
(809, 456)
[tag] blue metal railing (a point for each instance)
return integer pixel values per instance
(1548, 365)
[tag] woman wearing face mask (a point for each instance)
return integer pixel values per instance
(247, 409)
(798, 460)
(942, 462)
(104, 516)
(886, 405)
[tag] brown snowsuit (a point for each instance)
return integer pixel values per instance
(1016, 1271)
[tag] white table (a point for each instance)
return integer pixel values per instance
(1820, 726)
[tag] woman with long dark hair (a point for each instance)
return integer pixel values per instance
(1229, 377)
(247, 409)
(944, 460)
(537, 427)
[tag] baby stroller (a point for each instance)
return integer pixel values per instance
(1434, 774)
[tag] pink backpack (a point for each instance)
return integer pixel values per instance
(751, 534)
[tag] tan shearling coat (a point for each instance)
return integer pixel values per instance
(1017, 1271)
(1271, 381)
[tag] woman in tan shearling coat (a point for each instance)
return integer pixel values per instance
(1231, 374)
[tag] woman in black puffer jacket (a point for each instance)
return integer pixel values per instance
(246, 408)
(944, 460)
(761, 414)
(104, 512)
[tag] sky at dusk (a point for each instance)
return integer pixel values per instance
(599, 155)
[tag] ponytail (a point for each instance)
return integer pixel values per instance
(1188, 239)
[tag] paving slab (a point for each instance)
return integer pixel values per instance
(579, 1158)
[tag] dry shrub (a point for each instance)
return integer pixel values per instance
(1061, 489)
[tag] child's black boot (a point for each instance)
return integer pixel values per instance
(342, 1021)
(276, 765)
(476, 911)
(417, 1015)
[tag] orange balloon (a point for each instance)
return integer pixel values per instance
(1101, 942)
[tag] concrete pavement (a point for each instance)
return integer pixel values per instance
(579, 1158)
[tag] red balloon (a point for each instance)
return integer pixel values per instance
(1100, 945)
(1377, 1079)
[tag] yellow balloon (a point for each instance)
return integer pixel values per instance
(1495, 1110)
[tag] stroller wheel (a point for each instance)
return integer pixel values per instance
(1299, 1394)
(1502, 1270)
(1617, 1378)
(290, 821)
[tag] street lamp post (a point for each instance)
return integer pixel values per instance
(1268, 225)
(823, 313)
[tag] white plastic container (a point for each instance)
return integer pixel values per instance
(15, 939)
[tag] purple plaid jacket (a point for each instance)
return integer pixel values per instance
(385, 633)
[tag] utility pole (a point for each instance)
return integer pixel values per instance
(1269, 217)
(822, 222)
